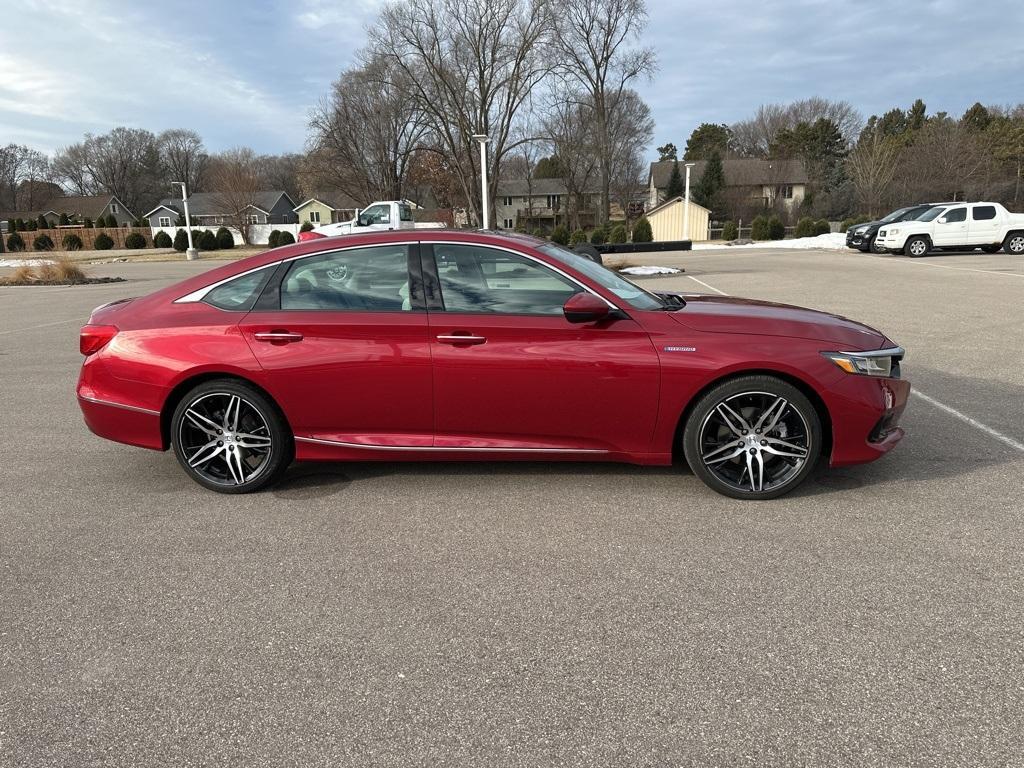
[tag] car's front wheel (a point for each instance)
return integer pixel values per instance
(916, 247)
(875, 246)
(230, 438)
(1014, 244)
(753, 437)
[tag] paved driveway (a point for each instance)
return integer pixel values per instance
(529, 614)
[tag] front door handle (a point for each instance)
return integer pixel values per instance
(461, 338)
(280, 337)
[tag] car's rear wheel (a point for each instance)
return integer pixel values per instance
(916, 247)
(230, 438)
(1014, 244)
(753, 437)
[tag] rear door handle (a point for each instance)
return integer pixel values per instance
(461, 338)
(281, 337)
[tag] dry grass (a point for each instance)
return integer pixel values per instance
(61, 272)
(617, 263)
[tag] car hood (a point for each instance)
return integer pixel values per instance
(868, 224)
(717, 314)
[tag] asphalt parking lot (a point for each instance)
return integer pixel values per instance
(529, 614)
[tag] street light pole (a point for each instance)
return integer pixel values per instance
(191, 254)
(686, 204)
(482, 138)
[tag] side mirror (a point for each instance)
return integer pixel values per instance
(585, 307)
(363, 221)
(941, 219)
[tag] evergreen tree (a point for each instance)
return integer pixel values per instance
(706, 140)
(668, 152)
(675, 183)
(549, 168)
(708, 190)
(42, 223)
(180, 241)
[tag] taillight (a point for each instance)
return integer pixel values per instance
(95, 337)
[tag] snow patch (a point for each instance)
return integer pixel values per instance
(650, 271)
(25, 262)
(831, 241)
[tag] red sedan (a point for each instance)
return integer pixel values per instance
(443, 345)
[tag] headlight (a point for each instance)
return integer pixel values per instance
(894, 230)
(884, 363)
(860, 230)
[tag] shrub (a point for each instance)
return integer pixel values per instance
(103, 242)
(538, 232)
(287, 238)
(759, 228)
(196, 235)
(577, 237)
(19, 225)
(181, 241)
(275, 238)
(776, 229)
(729, 231)
(71, 243)
(87, 223)
(162, 240)
(804, 227)
(135, 240)
(225, 239)
(307, 226)
(65, 219)
(208, 241)
(42, 223)
(618, 234)
(822, 227)
(15, 243)
(560, 235)
(31, 225)
(854, 221)
(598, 236)
(42, 243)
(642, 231)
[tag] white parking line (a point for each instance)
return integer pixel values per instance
(917, 263)
(44, 325)
(968, 420)
(709, 287)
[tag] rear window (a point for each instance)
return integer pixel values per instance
(240, 294)
(983, 212)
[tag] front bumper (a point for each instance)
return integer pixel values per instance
(860, 242)
(866, 415)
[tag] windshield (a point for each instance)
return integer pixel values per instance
(896, 215)
(636, 296)
(930, 214)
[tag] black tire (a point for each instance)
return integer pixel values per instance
(707, 434)
(588, 251)
(916, 247)
(1014, 244)
(258, 446)
(872, 248)
(991, 248)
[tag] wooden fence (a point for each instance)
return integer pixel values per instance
(87, 236)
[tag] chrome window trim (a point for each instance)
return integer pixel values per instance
(200, 293)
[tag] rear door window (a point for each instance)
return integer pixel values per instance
(983, 212)
(357, 280)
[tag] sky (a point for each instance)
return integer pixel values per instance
(248, 73)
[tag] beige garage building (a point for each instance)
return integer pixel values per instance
(667, 220)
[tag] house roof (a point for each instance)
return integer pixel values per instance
(88, 206)
(320, 200)
(738, 171)
(673, 201)
(522, 187)
(208, 203)
(24, 215)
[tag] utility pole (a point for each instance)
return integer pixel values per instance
(191, 254)
(686, 204)
(482, 138)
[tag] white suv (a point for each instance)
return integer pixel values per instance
(988, 226)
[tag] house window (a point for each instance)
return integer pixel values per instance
(786, 191)
(314, 216)
(507, 201)
(508, 224)
(113, 207)
(253, 218)
(165, 221)
(554, 202)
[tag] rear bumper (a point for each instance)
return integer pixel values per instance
(121, 423)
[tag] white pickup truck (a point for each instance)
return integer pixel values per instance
(376, 217)
(988, 226)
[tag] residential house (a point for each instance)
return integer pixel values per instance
(316, 212)
(78, 208)
(206, 210)
(543, 203)
(762, 183)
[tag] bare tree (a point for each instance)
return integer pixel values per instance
(125, 163)
(234, 177)
(593, 39)
(71, 168)
(26, 177)
(755, 136)
(946, 162)
(469, 66)
(364, 135)
(569, 130)
(872, 166)
(184, 157)
(631, 130)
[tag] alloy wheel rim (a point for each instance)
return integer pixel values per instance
(917, 247)
(225, 438)
(754, 441)
(1017, 245)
